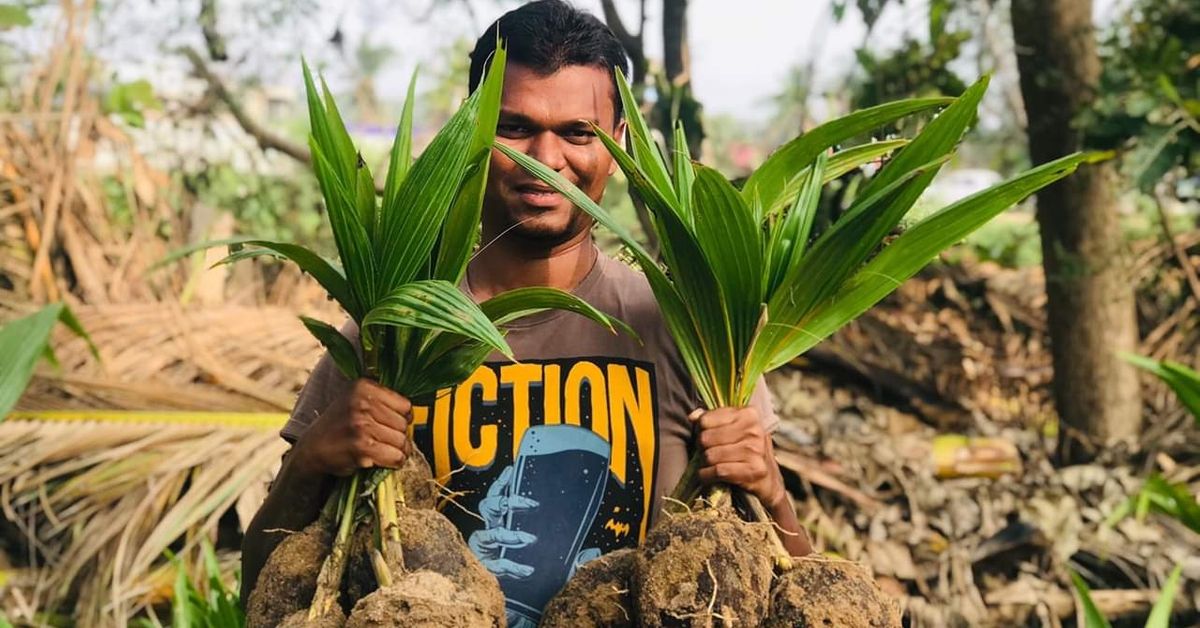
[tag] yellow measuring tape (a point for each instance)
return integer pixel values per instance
(258, 420)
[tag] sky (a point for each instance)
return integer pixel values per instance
(741, 51)
(738, 57)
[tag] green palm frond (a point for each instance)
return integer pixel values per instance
(402, 254)
(742, 285)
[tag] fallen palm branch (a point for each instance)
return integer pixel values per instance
(98, 499)
(161, 356)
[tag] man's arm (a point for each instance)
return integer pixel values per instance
(366, 426)
(294, 501)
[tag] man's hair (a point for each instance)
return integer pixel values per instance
(548, 35)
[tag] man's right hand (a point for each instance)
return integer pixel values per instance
(367, 427)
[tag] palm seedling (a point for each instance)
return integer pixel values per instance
(743, 285)
(402, 259)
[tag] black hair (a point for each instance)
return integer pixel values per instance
(548, 35)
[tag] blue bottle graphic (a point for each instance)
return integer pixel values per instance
(564, 468)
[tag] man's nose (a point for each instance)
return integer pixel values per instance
(547, 148)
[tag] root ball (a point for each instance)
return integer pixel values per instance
(597, 596)
(819, 592)
(416, 480)
(705, 568)
(422, 599)
(289, 578)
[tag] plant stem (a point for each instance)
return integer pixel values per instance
(688, 486)
(329, 580)
(389, 522)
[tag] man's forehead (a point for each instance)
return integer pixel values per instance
(570, 93)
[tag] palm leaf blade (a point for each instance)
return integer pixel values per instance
(769, 180)
(915, 248)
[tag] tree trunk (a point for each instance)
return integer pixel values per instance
(676, 99)
(1090, 294)
(675, 46)
(632, 42)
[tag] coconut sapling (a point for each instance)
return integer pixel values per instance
(743, 285)
(402, 259)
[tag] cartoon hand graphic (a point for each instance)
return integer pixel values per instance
(488, 542)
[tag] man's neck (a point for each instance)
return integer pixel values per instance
(510, 263)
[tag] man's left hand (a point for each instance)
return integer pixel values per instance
(737, 452)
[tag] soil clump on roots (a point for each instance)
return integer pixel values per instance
(819, 592)
(416, 480)
(422, 599)
(289, 577)
(597, 596)
(429, 542)
(704, 568)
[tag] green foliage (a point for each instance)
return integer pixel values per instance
(130, 100)
(917, 68)
(1092, 617)
(208, 604)
(13, 16)
(1160, 614)
(1183, 380)
(23, 341)
(746, 287)
(1010, 243)
(275, 207)
(403, 255)
(1148, 101)
(1158, 495)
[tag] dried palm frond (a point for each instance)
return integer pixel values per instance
(98, 502)
(93, 496)
(158, 355)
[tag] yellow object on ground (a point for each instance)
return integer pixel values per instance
(259, 420)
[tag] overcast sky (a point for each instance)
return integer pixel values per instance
(741, 51)
(739, 58)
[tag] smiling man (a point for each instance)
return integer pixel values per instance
(567, 454)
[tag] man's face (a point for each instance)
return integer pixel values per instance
(546, 117)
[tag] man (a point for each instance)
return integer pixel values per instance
(567, 454)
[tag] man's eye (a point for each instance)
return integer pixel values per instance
(579, 136)
(512, 130)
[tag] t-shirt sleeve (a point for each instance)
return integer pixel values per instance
(323, 386)
(763, 400)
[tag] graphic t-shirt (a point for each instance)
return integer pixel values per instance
(564, 455)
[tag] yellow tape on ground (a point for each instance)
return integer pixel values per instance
(258, 420)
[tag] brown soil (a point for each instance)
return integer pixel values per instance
(422, 599)
(359, 579)
(299, 619)
(289, 578)
(705, 568)
(430, 543)
(597, 596)
(416, 479)
(820, 592)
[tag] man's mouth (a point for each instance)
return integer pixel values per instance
(538, 195)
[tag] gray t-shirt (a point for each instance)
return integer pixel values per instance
(594, 426)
